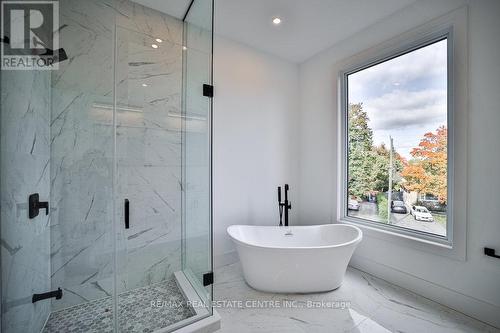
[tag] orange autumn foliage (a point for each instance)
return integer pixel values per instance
(427, 171)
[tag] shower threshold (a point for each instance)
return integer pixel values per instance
(157, 308)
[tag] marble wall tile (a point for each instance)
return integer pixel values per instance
(86, 33)
(25, 169)
(149, 84)
(148, 149)
(148, 22)
(59, 142)
(82, 154)
(25, 112)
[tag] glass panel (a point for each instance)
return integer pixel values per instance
(148, 169)
(105, 127)
(196, 115)
(397, 141)
(81, 163)
(57, 141)
(25, 169)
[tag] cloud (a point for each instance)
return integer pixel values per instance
(406, 116)
(399, 109)
(425, 64)
(404, 97)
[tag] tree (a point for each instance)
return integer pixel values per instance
(427, 171)
(381, 167)
(360, 134)
(368, 165)
(360, 143)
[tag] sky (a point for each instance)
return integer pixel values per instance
(404, 97)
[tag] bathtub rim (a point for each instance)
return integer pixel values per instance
(355, 241)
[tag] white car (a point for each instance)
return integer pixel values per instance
(421, 213)
(353, 204)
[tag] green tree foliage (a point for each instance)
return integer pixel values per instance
(368, 165)
(361, 159)
(382, 207)
(381, 168)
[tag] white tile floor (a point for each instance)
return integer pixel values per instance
(374, 305)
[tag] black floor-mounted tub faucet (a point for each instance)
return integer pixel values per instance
(285, 205)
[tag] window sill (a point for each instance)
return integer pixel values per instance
(437, 247)
(371, 226)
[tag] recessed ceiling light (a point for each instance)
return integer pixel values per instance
(144, 85)
(154, 46)
(159, 40)
(184, 48)
(276, 20)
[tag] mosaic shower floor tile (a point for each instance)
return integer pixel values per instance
(142, 310)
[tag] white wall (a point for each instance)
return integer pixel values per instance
(255, 144)
(471, 286)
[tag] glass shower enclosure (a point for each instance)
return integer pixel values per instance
(105, 170)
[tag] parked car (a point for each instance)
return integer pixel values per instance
(398, 207)
(433, 206)
(353, 204)
(421, 213)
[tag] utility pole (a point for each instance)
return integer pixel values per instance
(389, 193)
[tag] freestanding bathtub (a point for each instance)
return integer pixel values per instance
(298, 259)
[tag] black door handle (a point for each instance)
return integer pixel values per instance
(127, 211)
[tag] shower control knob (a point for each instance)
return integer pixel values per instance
(34, 205)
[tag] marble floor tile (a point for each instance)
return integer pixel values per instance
(144, 310)
(363, 303)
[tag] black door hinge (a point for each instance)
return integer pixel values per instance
(208, 90)
(208, 279)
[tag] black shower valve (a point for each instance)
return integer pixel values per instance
(34, 205)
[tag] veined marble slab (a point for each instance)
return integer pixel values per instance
(369, 305)
(147, 85)
(25, 169)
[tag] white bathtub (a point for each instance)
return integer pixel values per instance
(311, 259)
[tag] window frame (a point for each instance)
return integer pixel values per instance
(399, 49)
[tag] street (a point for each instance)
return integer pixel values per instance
(369, 211)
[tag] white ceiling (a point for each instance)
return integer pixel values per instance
(308, 26)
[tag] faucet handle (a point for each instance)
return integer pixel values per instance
(34, 205)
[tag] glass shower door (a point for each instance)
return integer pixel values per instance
(148, 85)
(162, 179)
(196, 153)
(117, 141)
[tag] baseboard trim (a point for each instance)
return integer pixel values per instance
(467, 305)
